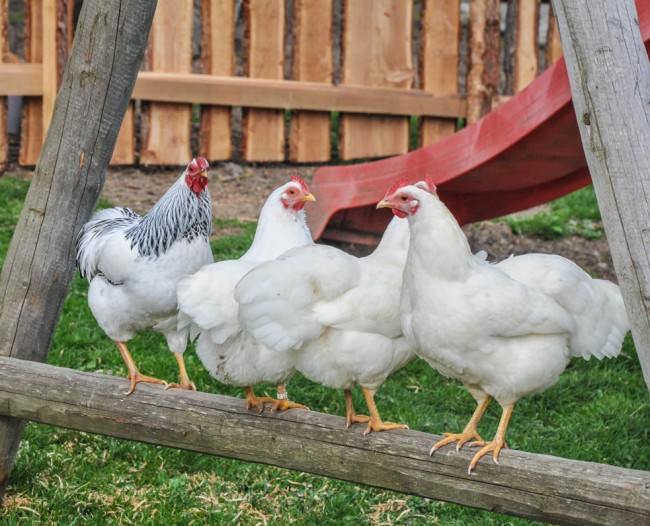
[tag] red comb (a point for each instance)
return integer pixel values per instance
(401, 182)
(427, 185)
(297, 179)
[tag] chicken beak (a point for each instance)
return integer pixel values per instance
(385, 203)
(308, 197)
(204, 173)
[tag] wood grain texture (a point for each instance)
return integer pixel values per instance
(439, 57)
(524, 484)
(483, 52)
(166, 127)
(217, 58)
(106, 54)
(609, 75)
(376, 52)
(526, 47)
(309, 132)
(553, 43)
(263, 138)
(31, 128)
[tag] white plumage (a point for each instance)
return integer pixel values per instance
(207, 304)
(505, 330)
(133, 264)
(335, 314)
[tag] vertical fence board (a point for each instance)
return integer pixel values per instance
(483, 57)
(4, 48)
(439, 58)
(263, 137)
(217, 58)
(526, 43)
(553, 44)
(31, 129)
(166, 127)
(310, 138)
(376, 52)
(124, 152)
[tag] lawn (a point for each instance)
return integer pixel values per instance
(598, 411)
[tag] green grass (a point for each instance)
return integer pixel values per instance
(597, 412)
(574, 214)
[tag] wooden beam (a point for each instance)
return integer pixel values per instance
(40, 262)
(50, 62)
(260, 93)
(535, 486)
(609, 75)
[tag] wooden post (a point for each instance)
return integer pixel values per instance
(609, 75)
(439, 57)
(309, 137)
(97, 85)
(217, 58)
(540, 487)
(483, 50)
(376, 52)
(263, 130)
(553, 44)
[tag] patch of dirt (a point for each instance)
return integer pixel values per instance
(239, 191)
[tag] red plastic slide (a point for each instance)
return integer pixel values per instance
(524, 153)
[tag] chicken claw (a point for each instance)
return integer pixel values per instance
(186, 383)
(470, 432)
(498, 443)
(283, 403)
(253, 402)
(375, 422)
(137, 378)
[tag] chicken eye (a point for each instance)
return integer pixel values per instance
(404, 198)
(292, 192)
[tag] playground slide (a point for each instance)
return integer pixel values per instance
(525, 153)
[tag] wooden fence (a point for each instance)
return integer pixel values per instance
(284, 80)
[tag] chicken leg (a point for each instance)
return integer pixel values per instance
(374, 422)
(283, 403)
(186, 383)
(351, 416)
(253, 402)
(134, 375)
(497, 443)
(470, 432)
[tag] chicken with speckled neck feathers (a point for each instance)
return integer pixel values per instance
(133, 264)
(506, 330)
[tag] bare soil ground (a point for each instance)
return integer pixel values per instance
(238, 191)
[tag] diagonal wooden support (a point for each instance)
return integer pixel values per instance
(108, 48)
(609, 75)
(539, 487)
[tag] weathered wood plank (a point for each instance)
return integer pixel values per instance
(4, 48)
(609, 75)
(217, 58)
(483, 52)
(31, 128)
(264, 129)
(166, 127)
(376, 52)
(50, 53)
(96, 88)
(535, 486)
(439, 58)
(262, 93)
(309, 135)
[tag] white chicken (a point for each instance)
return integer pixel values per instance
(207, 305)
(335, 314)
(133, 264)
(506, 330)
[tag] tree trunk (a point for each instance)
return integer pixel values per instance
(610, 82)
(108, 48)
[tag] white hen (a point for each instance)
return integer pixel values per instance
(336, 314)
(505, 330)
(133, 264)
(207, 305)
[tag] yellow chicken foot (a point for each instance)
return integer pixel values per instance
(134, 375)
(497, 443)
(470, 432)
(375, 423)
(351, 416)
(283, 403)
(186, 383)
(253, 402)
